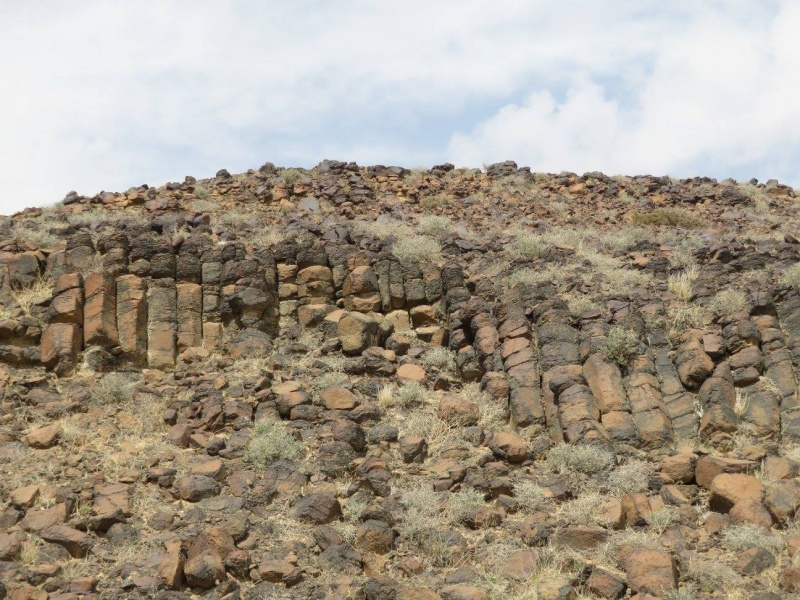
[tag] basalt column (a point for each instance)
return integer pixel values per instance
(162, 327)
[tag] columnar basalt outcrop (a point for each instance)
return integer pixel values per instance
(345, 381)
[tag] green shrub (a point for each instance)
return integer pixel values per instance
(621, 345)
(270, 442)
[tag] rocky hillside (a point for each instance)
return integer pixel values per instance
(381, 383)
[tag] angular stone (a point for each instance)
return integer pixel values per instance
(194, 488)
(44, 437)
(204, 570)
(649, 571)
(132, 317)
(162, 327)
(318, 508)
(189, 315)
(729, 489)
(605, 381)
(508, 446)
(693, 364)
(708, 467)
(61, 344)
(76, 542)
(100, 311)
(357, 332)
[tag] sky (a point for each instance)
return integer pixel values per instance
(108, 94)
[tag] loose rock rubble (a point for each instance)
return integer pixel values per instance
(371, 382)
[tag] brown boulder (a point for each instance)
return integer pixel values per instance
(339, 399)
(411, 372)
(357, 332)
(76, 542)
(204, 570)
(728, 489)
(458, 411)
(693, 364)
(708, 467)
(679, 468)
(508, 446)
(194, 488)
(44, 437)
(318, 508)
(61, 343)
(648, 570)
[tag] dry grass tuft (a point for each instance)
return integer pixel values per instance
(28, 296)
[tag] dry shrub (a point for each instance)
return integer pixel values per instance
(528, 245)
(383, 229)
(631, 477)
(435, 226)
(566, 458)
(440, 358)
(667, 217)
(729, 302)
(113, 388)
(410, 394)
(791, 276)
(417, 249)
(621, 344)
(270, 442)
(680, 285)
(744, 537)
(531, 497)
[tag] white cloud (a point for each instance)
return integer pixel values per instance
(103, 95)
(720, 95)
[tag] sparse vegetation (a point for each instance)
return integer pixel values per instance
(581, 458)
(237, 434)
(529, 246)
(621, 345)
(435, 226)
(417, 249)
(629, 478)
(791, 276)
(667, 217)
(30, 295)
(410, 394)
(113, 388)
(438, 357)
(729, 302)
(270, 442)
(435, 201)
